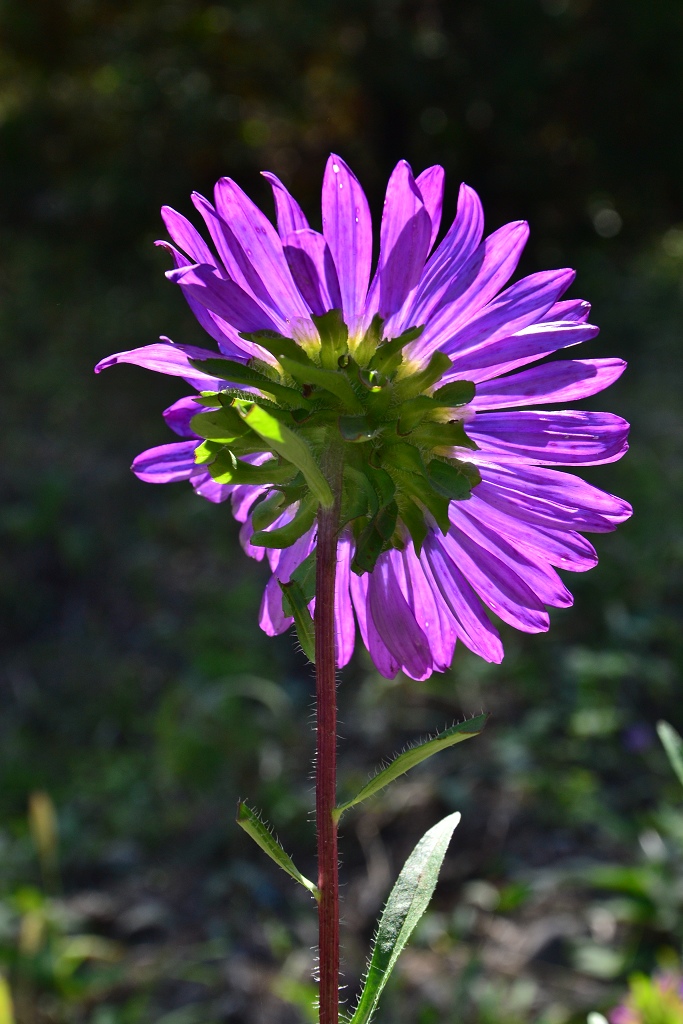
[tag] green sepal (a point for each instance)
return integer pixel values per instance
(304, 576)
(277, 344)
(223, 424)
(414, 521)
(334, 381)
(443, 435)
(334, 338)
(404, 456)
(290, 446)
(267, 511)
(673, 747)
(263, 837)
(228, 369)
(385, 520)
(388, 356)
(370, 342)
(209, 399)
(373, 380)
(402, 763)
(416, 383)
(359, 497)
(383, 486)
(285, 536)
(206, 452)
(407, 903)
(357, 428)
(228, 469)
(453, 480)
(419, 487)
(369, 546)
(455, 394)
(294, 601)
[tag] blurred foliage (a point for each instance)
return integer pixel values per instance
(136, 688)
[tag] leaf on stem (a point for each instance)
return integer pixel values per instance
(673, 747)
(404, 908)
(415, 755)
(263, 837)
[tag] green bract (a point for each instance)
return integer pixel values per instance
(394, 429)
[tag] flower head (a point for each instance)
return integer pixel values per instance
(412, 379)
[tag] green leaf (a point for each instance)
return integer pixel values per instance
(443, 435)
(451, 479)
(673, 746)
(277, 345)
(334, 338)
(284, 536)
(455, 394)
(369, 547)
(296, 602)
(388, 356)
(406, 904)
(334, 381)
(417, 383)
(228, 369)
(267, 511)
(227, 469)
(357, 428)
(415, 755)
(414, 521)
(290, 446)
(222, 425)
(358, 497)
(304, 576)
(263, 837)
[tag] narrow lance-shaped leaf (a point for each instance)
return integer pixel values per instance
(406, 905)
(673, 746)
(291, 447)
(263, 837)
(409, 758)
(296, 605)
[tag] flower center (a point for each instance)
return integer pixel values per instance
(398, 433)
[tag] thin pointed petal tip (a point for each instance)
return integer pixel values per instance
(440, 566)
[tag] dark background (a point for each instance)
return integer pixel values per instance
(135, 687)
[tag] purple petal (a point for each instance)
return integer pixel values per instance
(404, 243)
(472, 624)
(344, 623)
(565, 381)
(223, 297)
(179, 414)
(395, 622)
(522, 304)
(186, 237)
(430, 184)
(486, 271)
(431, 614)
(461, 240)
(564, 549)
(570, 310)
(524, 347)
(166, 464)
(272, 618)
(347, 228)
(539, 577)
(499, 587)
(246, 533)
(569, 437)
(206, 487)
(290, 216)
(358, 585)
(313, 270)
(220, 330)
(550, 499)
(167, 357)
(261, 244)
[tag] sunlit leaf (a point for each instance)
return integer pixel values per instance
(406, 904)
(263, 837)
(673, 745)
(414, 756)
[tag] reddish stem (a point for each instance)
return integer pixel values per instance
(326, 765)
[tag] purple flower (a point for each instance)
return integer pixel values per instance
(456, 500)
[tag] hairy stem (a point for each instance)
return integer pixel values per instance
(326, 755)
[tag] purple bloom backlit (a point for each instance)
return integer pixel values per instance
(421, 379)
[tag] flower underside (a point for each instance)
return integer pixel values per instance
(397, 434)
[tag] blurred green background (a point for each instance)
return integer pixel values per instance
(136, 690)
